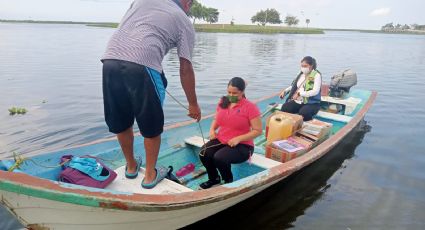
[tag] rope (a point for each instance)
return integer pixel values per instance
(175, 99)
(47, 166)
(199, 123)
(19, 160)
(204, 149)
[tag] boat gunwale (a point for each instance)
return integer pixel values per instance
(42, 188)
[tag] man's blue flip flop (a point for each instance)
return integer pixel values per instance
(134, 175)
(161, 173)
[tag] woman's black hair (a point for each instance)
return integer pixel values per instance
(311, 61)
(235, 82)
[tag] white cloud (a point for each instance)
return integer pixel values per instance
(381, 12)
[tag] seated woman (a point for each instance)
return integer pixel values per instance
(238, 122)
(304, 93)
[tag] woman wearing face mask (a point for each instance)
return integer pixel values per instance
(238, 122)
(304, 93)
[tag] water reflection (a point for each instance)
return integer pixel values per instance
(264, 48)
(11, 222)
(205, 54)
(279, 206)
(288, 49)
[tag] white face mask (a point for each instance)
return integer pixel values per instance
(305, 70)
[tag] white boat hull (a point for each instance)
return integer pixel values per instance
(48, 214)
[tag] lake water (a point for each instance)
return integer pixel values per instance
(375, 179)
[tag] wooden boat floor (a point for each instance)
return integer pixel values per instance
(122, 184)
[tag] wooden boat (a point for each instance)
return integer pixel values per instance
(33, 194)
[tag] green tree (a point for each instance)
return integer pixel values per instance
(307, 21)
(291, 20)
(197, 11)
(200, 12)
(263, 17)
(211, 15)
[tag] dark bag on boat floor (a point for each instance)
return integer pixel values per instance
(87, 171)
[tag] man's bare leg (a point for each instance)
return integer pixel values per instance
(126, 140)
(152, 150)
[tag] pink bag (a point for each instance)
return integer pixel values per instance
(74, 176)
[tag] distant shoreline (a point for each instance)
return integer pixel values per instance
(52, 22)
(417, 32)
(212, 28)
(227, 28)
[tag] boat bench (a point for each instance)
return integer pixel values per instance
(256, 159)
(349, 103)
(327, 115)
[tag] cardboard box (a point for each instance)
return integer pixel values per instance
(307, 143)
(307, 140)
(314, 140)
(306, 136)
(290, 145)
(316, 128)
(281, 155)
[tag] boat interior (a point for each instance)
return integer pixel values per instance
(181, 145)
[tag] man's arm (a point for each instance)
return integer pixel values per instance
(187, 79)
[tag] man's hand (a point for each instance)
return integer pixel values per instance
(195, 112)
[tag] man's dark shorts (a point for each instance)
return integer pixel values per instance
(132, 91)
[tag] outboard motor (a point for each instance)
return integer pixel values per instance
(342, 82)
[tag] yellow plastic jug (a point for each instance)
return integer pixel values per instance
(280, 128)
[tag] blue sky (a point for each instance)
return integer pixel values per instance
(358, 14)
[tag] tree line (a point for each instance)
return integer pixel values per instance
(272, 16)
(390, 27)
(201, 12)
(263, 17)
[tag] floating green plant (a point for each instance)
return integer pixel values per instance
(17, 110)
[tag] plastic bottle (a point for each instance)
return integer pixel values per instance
(185, 170)
(280, 128)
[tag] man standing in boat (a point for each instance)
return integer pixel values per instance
(134, 82)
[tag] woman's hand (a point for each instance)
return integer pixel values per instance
(282, 94)
(234, 141)
(212, 135)
(296, 96)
